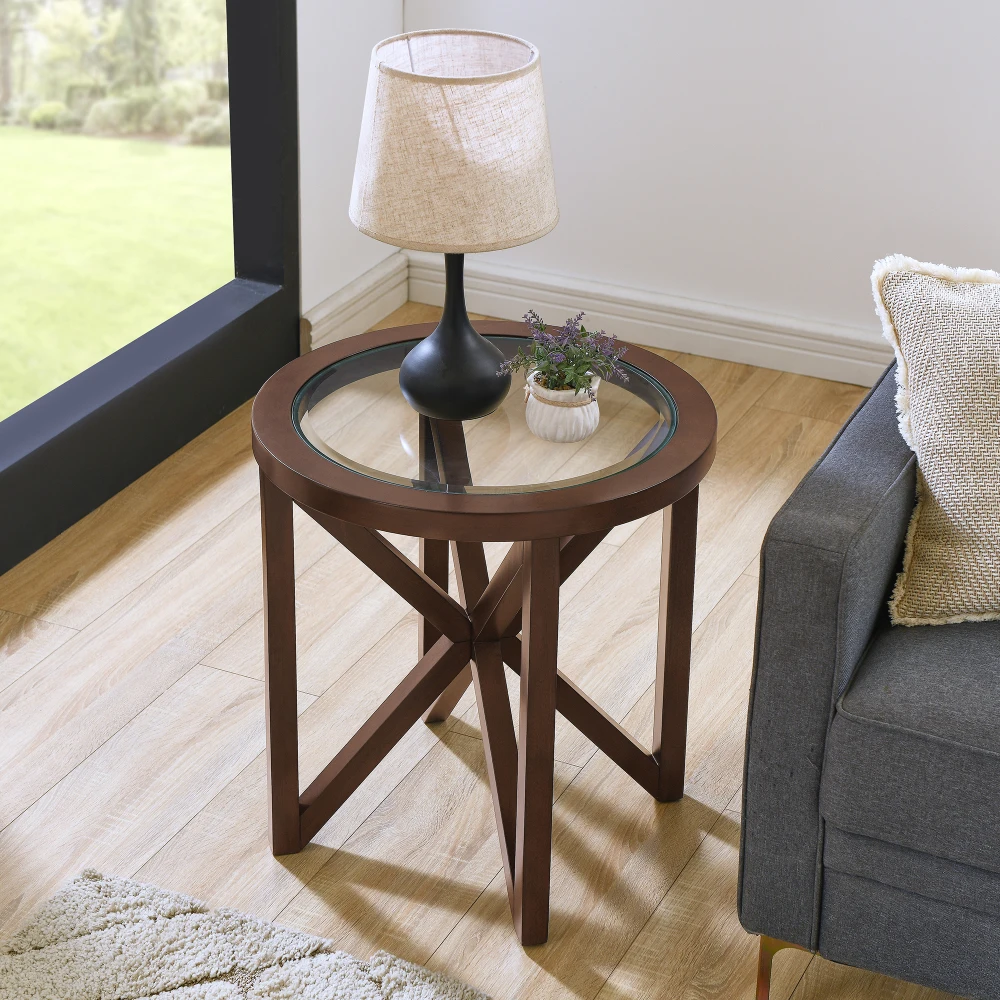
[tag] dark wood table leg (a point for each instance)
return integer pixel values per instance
(470, 571)
(673, 647)
(434, 562)
(536, 744)
(500, 745)
(444, 441)
(433, 551)
(450, 696)
(279, 669)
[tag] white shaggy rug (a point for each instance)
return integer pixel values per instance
(111, 939)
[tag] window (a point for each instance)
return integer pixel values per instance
(117, 214)
(115, 185)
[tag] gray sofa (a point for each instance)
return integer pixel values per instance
(871, 808)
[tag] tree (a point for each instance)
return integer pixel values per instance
(69, 31)
(193, 36)
(138, 43)
(6, 54)
(13, 15)
(77, 51)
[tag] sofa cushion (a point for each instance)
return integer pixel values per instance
(913, 754)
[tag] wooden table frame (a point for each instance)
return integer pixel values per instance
(469, 642)
(510, 618)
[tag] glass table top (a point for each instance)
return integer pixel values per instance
(354, 414)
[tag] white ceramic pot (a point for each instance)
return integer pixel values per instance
(561, 415)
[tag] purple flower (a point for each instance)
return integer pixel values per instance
(571, 328)
(535, 323)
(547, 339)
(584, 353)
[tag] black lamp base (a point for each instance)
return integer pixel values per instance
(452, 374)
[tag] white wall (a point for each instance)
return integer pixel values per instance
(335, 39)
(761, 155)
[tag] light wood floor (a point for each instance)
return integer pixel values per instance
(131, 729)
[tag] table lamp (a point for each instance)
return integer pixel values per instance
(454, 158)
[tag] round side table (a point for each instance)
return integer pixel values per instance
(333, 435)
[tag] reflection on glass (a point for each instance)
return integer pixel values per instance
(115, 194)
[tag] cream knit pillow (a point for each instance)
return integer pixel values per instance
(944, 325)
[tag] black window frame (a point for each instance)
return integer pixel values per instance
(67, 452)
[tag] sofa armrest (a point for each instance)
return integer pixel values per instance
(828, 560)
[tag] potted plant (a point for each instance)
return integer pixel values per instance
(564, 366)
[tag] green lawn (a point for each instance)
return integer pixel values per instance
(100, 240)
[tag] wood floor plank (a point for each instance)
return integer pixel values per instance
(814, 397)
(417, 312)
(341, 609)
(92, 565)
(734, 388)
(417, 864)
(758, 465)
(64, 708)
(693, 945)
(409, 312)
(615, 850)
(128, 798)
(222, 855)
(25, 642)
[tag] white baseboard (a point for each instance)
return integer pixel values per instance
(807, 347)
(361, 304)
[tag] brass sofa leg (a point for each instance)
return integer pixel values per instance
(768, 947)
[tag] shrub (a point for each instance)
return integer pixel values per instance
(82, 94)
(24, 107)
(19, 110)
(179, 101)
(211, 109)
(107, 116)
(122, 115)
(139, 102)
(69, 120)
(46, 115)
(209, 130)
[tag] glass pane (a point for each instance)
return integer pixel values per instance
(115, 191)
(354, 414)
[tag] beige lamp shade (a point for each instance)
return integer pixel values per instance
(454, 153)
